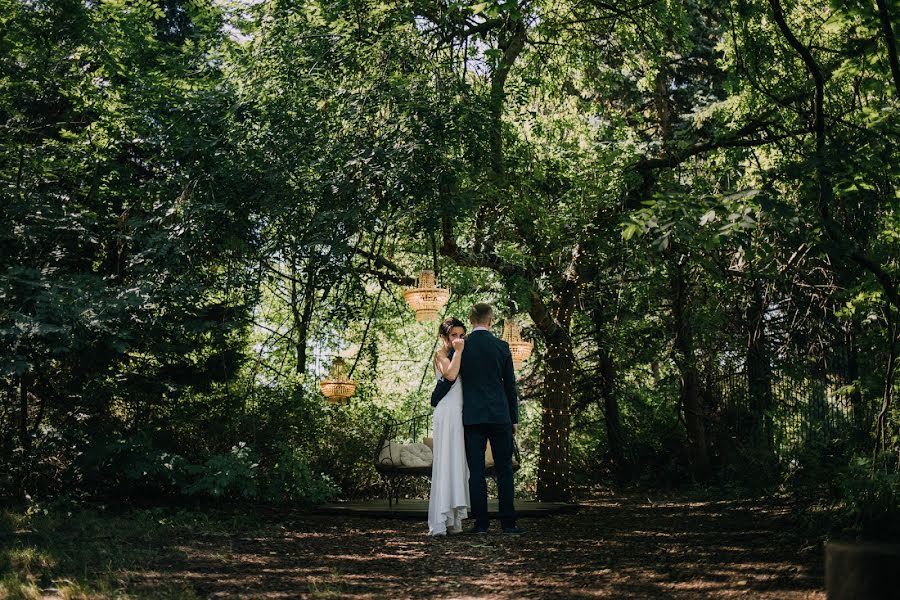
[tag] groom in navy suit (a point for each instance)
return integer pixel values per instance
(490, 412)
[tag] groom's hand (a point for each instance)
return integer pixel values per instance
(515, 428)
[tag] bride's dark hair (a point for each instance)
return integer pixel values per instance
(448, 325)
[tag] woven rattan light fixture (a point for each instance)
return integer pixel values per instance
(338, 387)
(521, 349)
(427, 298)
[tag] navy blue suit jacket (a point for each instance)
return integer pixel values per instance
(488, 380)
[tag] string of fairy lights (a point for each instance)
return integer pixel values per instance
(554, 423)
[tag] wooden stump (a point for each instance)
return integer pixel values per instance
(862, 571)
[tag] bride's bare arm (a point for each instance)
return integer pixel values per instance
(449, 368)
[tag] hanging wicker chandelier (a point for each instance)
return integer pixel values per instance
(426, 298)
(521, 349)
(338, 387)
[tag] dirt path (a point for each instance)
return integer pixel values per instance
(613, 548)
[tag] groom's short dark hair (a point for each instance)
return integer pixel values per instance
(481, 313)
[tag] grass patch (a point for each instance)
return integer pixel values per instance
(332, 587)
(16, 587)
(93, 554)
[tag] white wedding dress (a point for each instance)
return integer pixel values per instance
(448, 503)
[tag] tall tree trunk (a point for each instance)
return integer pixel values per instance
(511, 43)
(553, 483)
(302, 311)
(691, 402)
(662, 101)
(614, 433)
(553, 464)
(554, 478)
(887, 32)
(853, 378)
(759, 372)
(691, 396)
(882, 433)
(24, 434)
(309, 305)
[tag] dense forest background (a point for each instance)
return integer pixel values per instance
(692, 206)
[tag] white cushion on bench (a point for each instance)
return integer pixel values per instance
(394, 454)
(390, 454)
(416, 455)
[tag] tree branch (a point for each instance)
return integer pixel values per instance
(402, 280)
(813, 68)
(483, 260)
(376, 261)
(890, 42)
(826, 193)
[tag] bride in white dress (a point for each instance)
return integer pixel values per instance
(448, 503)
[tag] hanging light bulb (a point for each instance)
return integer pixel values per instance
(520, 349)
(338, 387)
(426, 298)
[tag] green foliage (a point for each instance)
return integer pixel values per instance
(117, 294)
(233, 474)
(131, 467)
(656, 440)
(202, 204)
(870, 494)
(292, 480)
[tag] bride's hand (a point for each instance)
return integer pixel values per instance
(458, 344)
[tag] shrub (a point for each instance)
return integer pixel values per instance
(292, 480)
(870, 492)
(346, 453)
(234, 474)
(130, 466)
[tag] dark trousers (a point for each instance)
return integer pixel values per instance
(501, 439)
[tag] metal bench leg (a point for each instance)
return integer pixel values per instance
(392, 486)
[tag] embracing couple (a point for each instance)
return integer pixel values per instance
(475, 374)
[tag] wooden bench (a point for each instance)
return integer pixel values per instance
(412, 430)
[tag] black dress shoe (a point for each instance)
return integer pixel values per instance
(477, 531)
(513, 530)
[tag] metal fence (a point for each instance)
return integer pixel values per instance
(805, 414)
